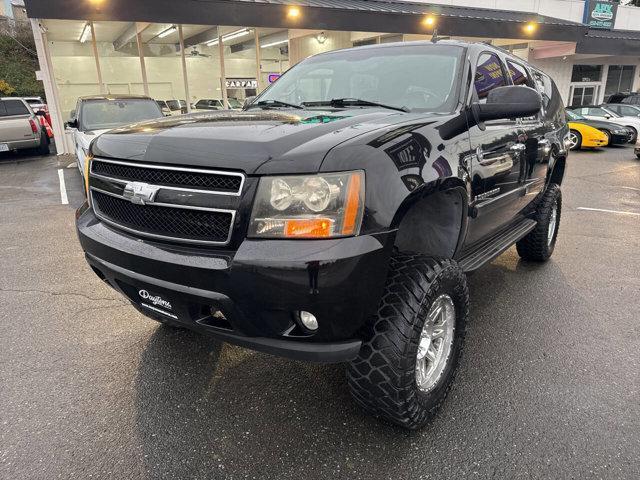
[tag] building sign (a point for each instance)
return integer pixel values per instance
(273, 77)
(244, 83)
(600, 14)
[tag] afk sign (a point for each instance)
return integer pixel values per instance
(600, 14)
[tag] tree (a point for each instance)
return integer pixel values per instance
(18, 59)
(5, 88)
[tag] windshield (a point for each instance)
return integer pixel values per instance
(574, 116)
(107, 114)
(234, 103)
(421, 77)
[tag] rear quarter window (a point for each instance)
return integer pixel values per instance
(13, 107)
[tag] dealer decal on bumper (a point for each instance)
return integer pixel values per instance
(156, 301)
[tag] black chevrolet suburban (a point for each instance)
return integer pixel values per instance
(335, 218)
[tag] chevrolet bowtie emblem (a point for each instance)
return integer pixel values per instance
(140, 193)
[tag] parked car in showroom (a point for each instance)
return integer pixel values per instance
(177, 107)
(337, 224)
(208, 104)
(601, 112)
(20, 128)
(612, 133)
(97, 114)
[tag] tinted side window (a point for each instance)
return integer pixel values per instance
(489, 75)
(202, 104)
(519, 74)
(15, 107)
(3, 110)
(628, 111)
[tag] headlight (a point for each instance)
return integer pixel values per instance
(620, 132)
(308, 206)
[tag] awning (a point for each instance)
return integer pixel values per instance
(346, 15)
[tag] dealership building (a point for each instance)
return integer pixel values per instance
(230, 49)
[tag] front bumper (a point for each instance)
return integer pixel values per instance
(620, 139)
(249, 296)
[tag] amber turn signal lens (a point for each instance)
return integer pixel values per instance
(352, 207)
(87, 165)
(309, 227)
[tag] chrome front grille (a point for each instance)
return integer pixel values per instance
(176, 204)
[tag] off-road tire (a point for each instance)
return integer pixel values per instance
(382, 379)
(535, 246)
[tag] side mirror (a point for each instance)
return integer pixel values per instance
(73, 123)
(248, 101)
(508, 102)
(607, 116)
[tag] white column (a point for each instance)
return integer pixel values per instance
(258, 60)
(143, 66)
(50, 88)
(223, 76)
(184, 70)
(103, 88)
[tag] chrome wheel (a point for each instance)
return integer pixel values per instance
(573, 140)
(553, 222)
(436, 341)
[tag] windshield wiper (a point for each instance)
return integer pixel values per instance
(356, 102)
(273, 103)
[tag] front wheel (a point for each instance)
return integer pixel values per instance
(575, 140)
(413, 344)
(608, 135)
(634, 135)
(539, 243)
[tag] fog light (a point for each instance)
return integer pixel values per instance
(308, 319)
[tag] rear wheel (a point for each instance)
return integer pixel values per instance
(540, 242)
(413, 344)
(575, 140)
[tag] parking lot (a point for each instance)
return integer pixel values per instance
(549, 384)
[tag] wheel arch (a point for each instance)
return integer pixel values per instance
(556, 171)
(433, 220)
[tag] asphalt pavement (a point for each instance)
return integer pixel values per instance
(549, 385)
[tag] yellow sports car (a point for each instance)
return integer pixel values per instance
(583, 136)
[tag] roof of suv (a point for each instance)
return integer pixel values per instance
(115, 97)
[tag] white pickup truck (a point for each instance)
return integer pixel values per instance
(19, 127)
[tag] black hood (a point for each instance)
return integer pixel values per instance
(254, 141)
(599, 124)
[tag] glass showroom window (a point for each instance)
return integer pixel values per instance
(203, 67)
(586, 73)
(119, 58)
(163, 67)
(241, 75)
(73, 62)
(619, 79)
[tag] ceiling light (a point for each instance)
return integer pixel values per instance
(293, 12)
(167, 32)
(229, 36)
(86, 31)
(429, 21)
(273, 44)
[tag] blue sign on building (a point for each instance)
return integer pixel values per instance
(600, 14)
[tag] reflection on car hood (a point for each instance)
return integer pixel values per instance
(254, 141)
